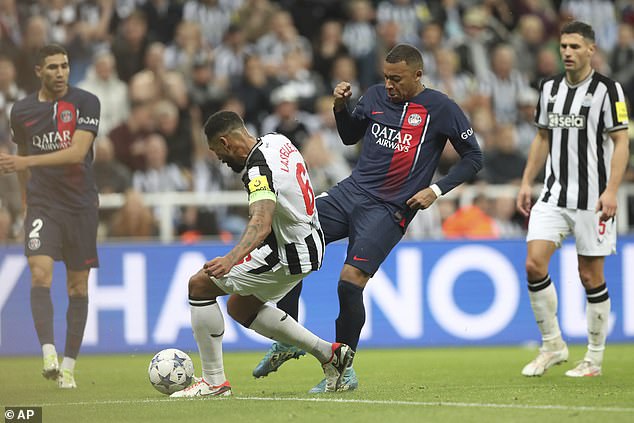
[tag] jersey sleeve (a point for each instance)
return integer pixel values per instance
(258, 179)
(615, 115)
(89, 110)
(541, 111)
(18, 135)
(462, 138)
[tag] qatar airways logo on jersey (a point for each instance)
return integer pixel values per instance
(391, 138)
(52, 141)
(555, 120)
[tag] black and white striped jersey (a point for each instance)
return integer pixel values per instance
(579, 119)
(276, 170)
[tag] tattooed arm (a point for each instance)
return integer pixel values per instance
(258, 228)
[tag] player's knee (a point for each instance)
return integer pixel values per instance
(589, 278)
(239, 313)
(198, 285)
(355, 276)
(535, 269)
(40, 277)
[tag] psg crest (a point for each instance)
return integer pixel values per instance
(66, 116)
(414, 119)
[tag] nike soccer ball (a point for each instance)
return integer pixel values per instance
(171, 370)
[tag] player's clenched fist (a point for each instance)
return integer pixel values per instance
(342, 92)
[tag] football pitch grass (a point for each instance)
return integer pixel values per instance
(405, 385)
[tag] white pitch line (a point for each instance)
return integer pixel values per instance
(361, 401)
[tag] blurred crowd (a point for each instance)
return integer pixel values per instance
(160, 67)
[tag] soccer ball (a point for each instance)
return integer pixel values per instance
(171, 370)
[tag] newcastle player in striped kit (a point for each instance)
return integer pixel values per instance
(582, 137)
(281, 245)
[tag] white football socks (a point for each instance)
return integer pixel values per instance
(209, 326)
(544, 305)
(279, 326)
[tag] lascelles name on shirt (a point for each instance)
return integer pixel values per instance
(391, 138)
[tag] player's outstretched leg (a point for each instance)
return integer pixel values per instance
(278, 354)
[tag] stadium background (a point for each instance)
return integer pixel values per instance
(161, 67)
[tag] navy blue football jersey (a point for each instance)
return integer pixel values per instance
(402, 143)
(48, 126)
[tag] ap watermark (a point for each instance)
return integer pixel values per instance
(23, 414)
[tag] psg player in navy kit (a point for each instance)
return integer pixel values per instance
(404, 127)
(54, 129)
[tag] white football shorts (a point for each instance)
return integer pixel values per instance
(552, 223)
(271, 285)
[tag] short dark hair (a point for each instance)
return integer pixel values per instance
(581, 28)
(222, 122)
(405, 53)
(49, 50)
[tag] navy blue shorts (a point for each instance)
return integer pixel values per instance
(69, 237)
(372, 228)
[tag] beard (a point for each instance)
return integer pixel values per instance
(235, 166)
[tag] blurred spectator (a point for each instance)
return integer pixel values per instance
(154, 59)
(474, 50)
(254, 89)
(177, 136)
(9, 94)
(324, 152)
(483, 123)
(10, 22)
(503, 84)
(162, 18)
(328, 47)
(359, 36)
(544, 10)
(129, 137)
(159, 175)
(471, 222)
(431, 41)
(203, 90)
(230, 55)
(503, 162)
(548, 64)
(409, 15)
(298, 77)
(526, 129)
(212, 17)
(146, 86)
(134, 219)
(254, 18)
(287, 119)
(344, 68)
(111, 175)
(102, 81)
(506, 217)
(130, 44)
(459, 86)
(35, 36)
(187, 45)
(527, 40)
(427, 224)
(622, 58)
(281, 38)
(449, 13)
